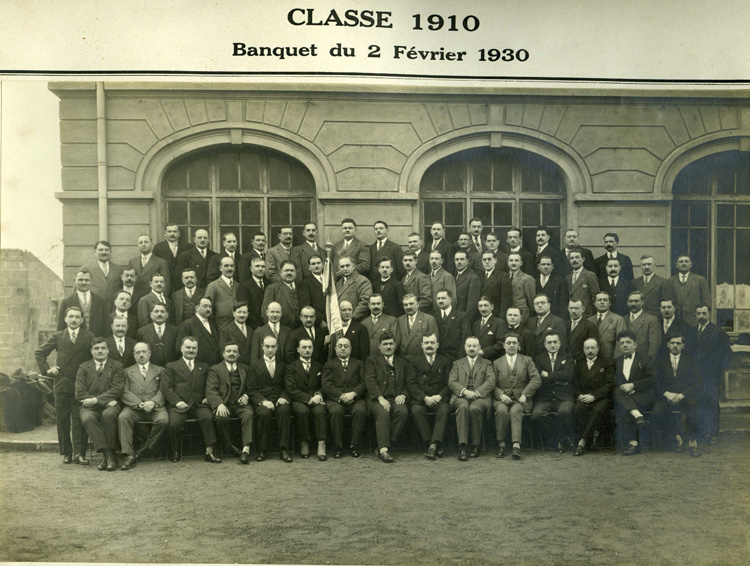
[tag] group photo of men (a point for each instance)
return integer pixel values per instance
(322, 349)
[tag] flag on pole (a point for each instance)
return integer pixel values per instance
(333, 315)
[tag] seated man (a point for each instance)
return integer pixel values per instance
(183, 384)
(99, 383)
(226, 392)
(676, 389)
(303, 385)
(517, 381)
(268, 393)
(593, 383)
(428, 390)
(555, 395)
(345, 391)
(635, 375)
(142, 401)
(386, 376)
(471, 382)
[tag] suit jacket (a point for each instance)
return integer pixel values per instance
(193, 258)
(610, 326)
(230, 332)
(652, 293)
(647, 333)
(528, 266)
(138, 389)
(266, 387)
(357, 250)
(162, 250)
(588, 262)
(320, 350)
(524, 379)
(105, 286)
(256, 350)
(208, 342)
(625, 263)
(558, 385)
(392, 251)
(181, 305)
(133, 325)
(223, 298)
(336, 381)
(69, 357)
(357, 291)
(385, 324)
(280, 292)
(105, 387)
(523, 289)
(678, 327)
(213, 271)
(155, 265)
(468, 291)
(249, 292)
(134, 297)
(376, 376)
(452, 333)
(163, 350)
(300, 385)
(178, 383)
(147, 302)
(442, 280)
(483, 377)
(497, 288)
(500, 257)
(359, 339)
(558, 259)
(392, 292)
(526, 341)
(618, 294)
(598, 381)
(243, 272)
(688, 295)
(584, 330)
(550, 322)
(300, 256)
(274, 258)
(418, 284)
(423, 261)
(712, 351)
(642, 374)
(428, 380)
(557, 291)
(219, 384)
(126, 359)
(411, 341)
(585, 288)
(491, 336)
(310, 292)
(98, 315)
(447, 250)
(685, 380)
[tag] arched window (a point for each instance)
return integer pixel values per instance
(505, 187)
(711, 223)
(241, 190)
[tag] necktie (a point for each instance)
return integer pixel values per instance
(487, 274)
(431, 360)
(161, 299)
(230, 283)
(306, 365)
(434, 272)
(143, 370)
(477, 243)
(159, 330)
(275, 330)
(190, 365)
(189, 293)
(244, 330)
(99, 368)
(632, 318)
(628, 357)
(612, 281)
(674, 364)
(73, 337)
(203, 253)
(375, 321)
(105, 269)
(346, 243)
(611, 255)
(380, 245)
(471, 366)
(543, 279)
(411, 323)
(552, 359)
(683, 278)
(573, 325)
(272, 367)
(601, 317)
(260, 284)
(434, 245)
(445, 314)
(345, 364)
(666, 326)
(85, 300)
(575, 277)
(144, 261)
(120, 347)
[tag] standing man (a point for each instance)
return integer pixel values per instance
(492, 246)
(105, 275)
(651, 286)
(522, 286)
(453, 326)
(440, 244)
(202, 329)
(156, 295)
(229, 243)
(428, 390)
(571, 243)
(280, 253)
(543, 248)
(465, 245)
(609, 325)
(73, 347)
(355, 332)
(128, 278)
(142, 401)
(579, 330)
(545, 320)
(353, 287)
(120, 345)
(238, 332)
(496, 285)
(302, 253)
(170, 247)
(616, 286)
(272, 328)
(415, 245)
(92, 306)
(147, 264)
(412, 325)
(489, 330)
(611, 240)
(644, 327)
(475, 233)
(471, 381)
(670, 325)
(386, 376)
(468, 286)
(160, 336)
(581, 284)
(512, 323)
(389, 288)
(252, 292)
(185, 299)
(593, 383)
(123, 310)
(416, 283)
(383, 247)
(183, 385)
(284, 292)
(514, 242)
(379, 322)
(257, 251)
(688, 290)
(351, 246)
(439, 277)
(310, 290)
(196, 257)
(99, 384)
(223, 293)
(308, 331)
(549, 283)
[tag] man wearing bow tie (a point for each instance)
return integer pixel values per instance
(593, 383)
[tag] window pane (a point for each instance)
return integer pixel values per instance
(301, 214)
(229, 212)
(698, 214)
(482, 175)
(279, 214)
(432, 181)
(742, 276)
(250, 172)
(228, 170)
(199, 213)
(301, 180)
(278, 175)
(725, 251)
(483, 210)
(177, 212)
(246, 237)
(724, 167)
(433, 211)
(198, 175)
(551, 214)
(531, 181)
(503, 214)
(725, 319)
(725, 215)
(502, 174)
(743, 176)
(743, 215)
(680, 212)
(454, 214)
(530, 214)
(454, 177)
(176, 180)
(250, 212)
(679, 244)
(699, 251)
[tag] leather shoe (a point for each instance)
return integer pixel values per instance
(212, 458)
(338, 453)
(245, 458)
(516, 454)
(354, 452)
(322, 457)
(462, 456)
(286, 456)
(580, 451)
(102, 465)
(141, 453)
(501, 452)
(262, 455)
(694, 451)
(631, 450)
(128, 463)
(80, 460)
(111, 462)
(233, 450)
(640, 421)
(431, 453)
(714, 440)
(385, 457)
(440, 452)
(678, 444)
(174, 456)
(67, 459)
(474, 452)
(304, 450)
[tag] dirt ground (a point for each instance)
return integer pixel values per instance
(654, 508)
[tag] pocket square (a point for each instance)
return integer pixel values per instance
(490, 333)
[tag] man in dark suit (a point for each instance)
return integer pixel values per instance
(279, 253)
(415, 245)
(105, 275)
(157, 295)
(489, 331)
(303, 386)
(310, 290)
(119, 344)
(617, 287)
(496, 285)
(128, 278)
(229, 245)
(284, 292)
(555, 395)
(99, 384)
(386, 376)
(453, 327)
(223, 293)
(428, 391)
(545, 320)
(608, 324)
(635, 376)
(543, 247)
(713, 353)
(651, 286)
(383, 247)
(92, 306)
(553, 285)
(670, 325)
(581, 283)
(269, 396)
(416, 283)
(412, 325)
(196, 257)
(171, 247)
(309, 330)
(514, 243)
(526, 338)
(351, 246)
(468, 287)
(475, 233)
(492, 246)
(257, 251)
(160, 336)
(571, 243)
(471, 381)
(465, 245)
(644, 326)
(252, 291)
(677, 385)
(389, 288)
(183, 385)
(227, 394)
(611, 240)
(301, 254)
(579, 329)
(272, 328)
(440, 244)
(123, 310)
(343, 384)
(593, 383)
(147, 264)
(354, 331)
(185, 299)
(73, 347)
(377, 323)
(142, 400)
(688, 290)
(204, 331)
(238, 332)
(353, 287)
